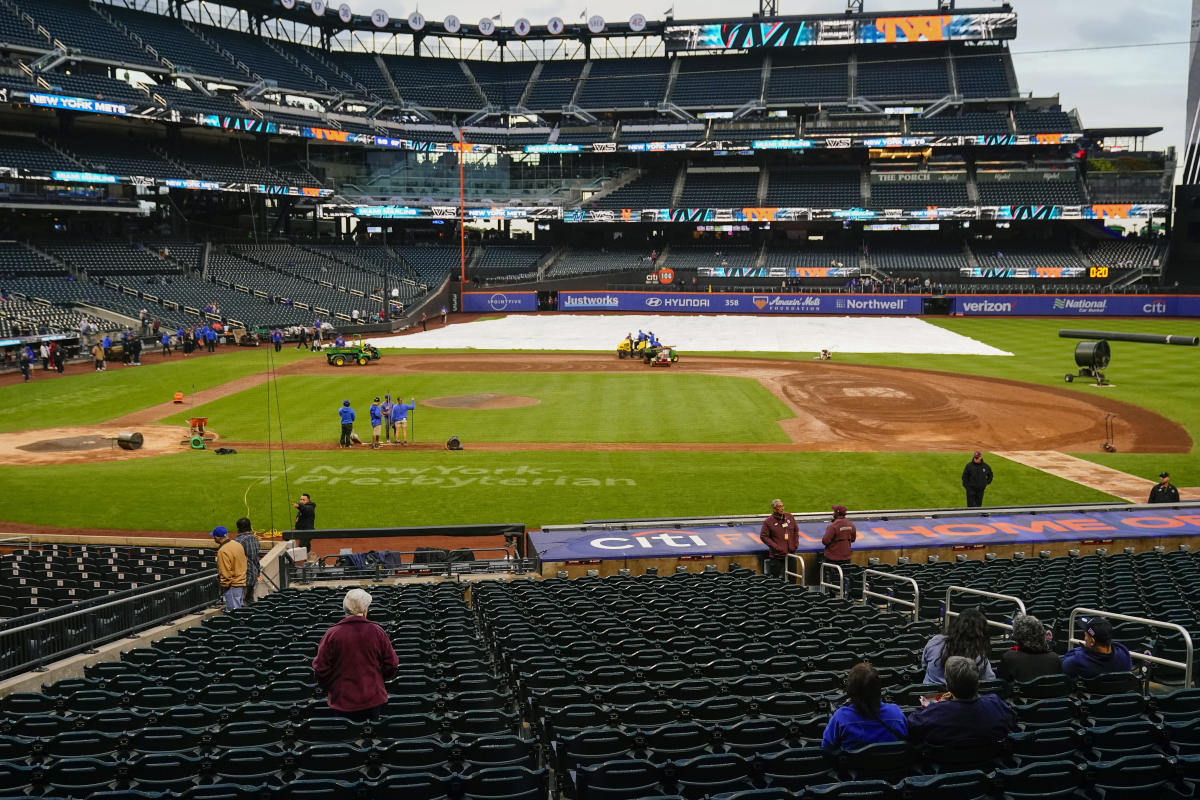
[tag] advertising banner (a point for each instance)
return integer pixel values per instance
(1082, 305)
(570, 544)
(83, 104)
(499, 301)
(719, 303)
(988, 26)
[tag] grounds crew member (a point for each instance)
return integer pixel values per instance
(781, 536)
(277, 339)
(231, 568)
(400, 419)
(976, 477)
(386, 408)
(346, 414)
(839, 535)
(376, 423)
(1164, 491)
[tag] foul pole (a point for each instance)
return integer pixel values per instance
(462, 223)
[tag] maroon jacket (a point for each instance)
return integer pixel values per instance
(838, 536)
(353, 660)
(782, 536)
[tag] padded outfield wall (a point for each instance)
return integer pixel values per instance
(1020, 305)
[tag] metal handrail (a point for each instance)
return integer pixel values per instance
(207, 577)
(914, 604)
(34, 644)
(840, 585)
(981, 593)
(1186, 665)
(379, 571)
(788, 573)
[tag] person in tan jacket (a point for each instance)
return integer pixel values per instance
(98, 356)
(231, 568)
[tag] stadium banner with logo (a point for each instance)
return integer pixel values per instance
(499, 301)
(842, 30)
(1082, 305)
(719, 303)
(563, 544)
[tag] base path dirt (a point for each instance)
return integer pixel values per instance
(1096, 476)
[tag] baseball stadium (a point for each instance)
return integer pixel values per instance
(676, 389)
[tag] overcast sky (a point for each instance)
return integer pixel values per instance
(1143, 85)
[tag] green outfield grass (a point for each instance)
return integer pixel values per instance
(83, 396)
(193, 491)
(650, 406)
(363, 488)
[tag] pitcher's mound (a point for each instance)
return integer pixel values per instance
(481, 401)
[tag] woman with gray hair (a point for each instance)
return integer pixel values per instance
(354, 659)
(1031, 656)
(961, 717)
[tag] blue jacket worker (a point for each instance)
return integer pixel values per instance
(400, 411)
(376, 423)
(386, 408)
(346, 414)
(277, 339)
(1098, 654)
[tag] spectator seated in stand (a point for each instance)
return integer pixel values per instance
(864, 719)
(1031, 656)
(1098, 654)
(967, 637)
(961, 717)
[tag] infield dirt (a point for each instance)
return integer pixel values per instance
(837, 407)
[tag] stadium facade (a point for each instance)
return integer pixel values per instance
(247, 146)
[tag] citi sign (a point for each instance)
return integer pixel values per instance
(651, 540)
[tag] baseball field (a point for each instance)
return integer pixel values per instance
(561, 437)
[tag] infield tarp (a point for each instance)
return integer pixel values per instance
(718, 303)
(569, 544)
(1083, 305)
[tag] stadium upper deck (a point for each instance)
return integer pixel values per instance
(546, 137)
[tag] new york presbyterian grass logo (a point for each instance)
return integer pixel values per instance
(442, 477)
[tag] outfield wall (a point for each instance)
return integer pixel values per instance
(1018, 305)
